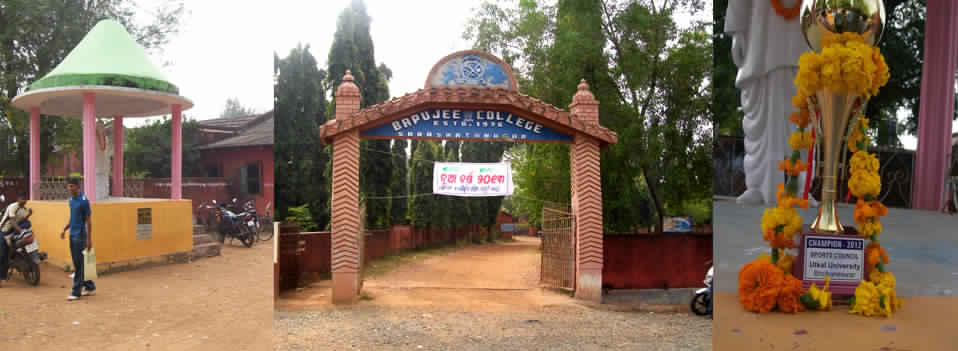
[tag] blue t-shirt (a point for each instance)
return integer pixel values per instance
(79, 211)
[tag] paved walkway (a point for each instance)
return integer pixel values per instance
(922, 245)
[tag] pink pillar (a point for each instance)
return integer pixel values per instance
(118, 156)
(89, 146)
(34, 152)
(937, 105)
(176, 146)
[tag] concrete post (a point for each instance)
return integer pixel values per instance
(176, 150)
(34, 152)
(118, 156)
(89, 146)
(933, 156)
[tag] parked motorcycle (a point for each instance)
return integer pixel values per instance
(703, 297)
(233, 225)
(25, 255)
(250, 217)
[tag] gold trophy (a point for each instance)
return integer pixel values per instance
(838, 109)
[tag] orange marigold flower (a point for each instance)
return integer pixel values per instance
(790, 295)
(874, 253)
(791, 168)
(801, 118)
(759, 284)
(778, 240)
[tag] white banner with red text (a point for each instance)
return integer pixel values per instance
(472, 179)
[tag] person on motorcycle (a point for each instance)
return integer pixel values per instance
(15, 219)
(81, 238)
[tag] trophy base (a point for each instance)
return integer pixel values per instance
(841, 289)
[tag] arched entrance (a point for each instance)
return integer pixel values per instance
(468, 96)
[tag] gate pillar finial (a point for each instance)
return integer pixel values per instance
(584, 105)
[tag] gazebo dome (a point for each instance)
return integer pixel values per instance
(109, 63)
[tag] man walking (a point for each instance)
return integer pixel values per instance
(80, 239)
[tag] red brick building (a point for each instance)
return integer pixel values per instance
(240, 150)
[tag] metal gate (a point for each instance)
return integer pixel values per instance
(558, 249)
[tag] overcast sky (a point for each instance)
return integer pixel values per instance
(409, 36)
(221, 51)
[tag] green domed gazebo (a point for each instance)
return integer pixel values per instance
(106, 74)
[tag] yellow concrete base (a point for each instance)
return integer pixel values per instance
(925, 323)
(115, 232)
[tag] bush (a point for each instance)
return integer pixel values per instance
(303, 216)
(699, 210)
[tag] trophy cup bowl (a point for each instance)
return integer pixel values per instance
(865, 17)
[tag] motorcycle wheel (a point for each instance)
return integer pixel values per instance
(247, 237)
(32, 274)
(700, 304)
(266, 232)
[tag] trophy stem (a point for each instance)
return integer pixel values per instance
(836, 113)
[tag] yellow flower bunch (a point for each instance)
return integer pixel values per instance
(866, 216)
(818, 299)
(788, 200)
(781, 220)
(800, 139)
(864, 184)
(785, 262)
(877, 297)
(863, 162)
(846, 64)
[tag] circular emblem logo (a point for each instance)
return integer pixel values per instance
(471, 68)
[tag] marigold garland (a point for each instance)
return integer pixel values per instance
(787, 13)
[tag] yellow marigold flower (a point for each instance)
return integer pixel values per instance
(800, 140)
(786, 218)
(785, 262)
(823, 296)
(863, 162)
(867, 298)
(864, 183)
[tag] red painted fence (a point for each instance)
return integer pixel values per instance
(655, 261)
(634, 261)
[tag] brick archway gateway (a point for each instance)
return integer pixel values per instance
(468, 96)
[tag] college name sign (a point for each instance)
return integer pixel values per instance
(472, 179)
(840, 258)
(466, 124)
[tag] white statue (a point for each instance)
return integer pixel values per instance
(766, 48)
(104, 153)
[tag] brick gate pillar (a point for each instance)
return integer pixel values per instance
(587, 198)
(346, 243)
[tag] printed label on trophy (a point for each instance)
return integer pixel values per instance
(841, 258)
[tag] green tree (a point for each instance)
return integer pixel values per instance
(399, 184)
(235, 109)
(35, 36)
(147, 150)
(650, 76)
(353, 50)
(301, 161)
(423, 204)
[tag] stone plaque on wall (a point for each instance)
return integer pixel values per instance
(144, 223)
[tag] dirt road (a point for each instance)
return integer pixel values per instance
(219, 303)
(476, 298)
